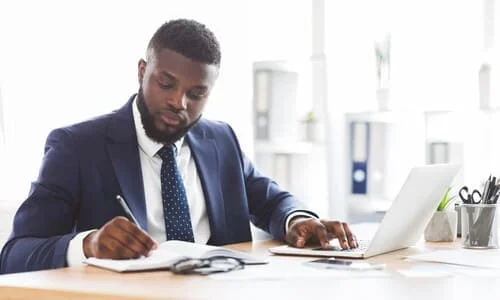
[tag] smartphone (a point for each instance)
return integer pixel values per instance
(339, 264)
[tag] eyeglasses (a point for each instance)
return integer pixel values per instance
(215, 264)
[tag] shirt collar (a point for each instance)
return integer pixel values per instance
(149, 146)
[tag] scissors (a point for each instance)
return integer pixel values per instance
(469, 198)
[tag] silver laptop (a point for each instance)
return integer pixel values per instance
(404, 223)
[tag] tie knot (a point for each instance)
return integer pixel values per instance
(167, 152)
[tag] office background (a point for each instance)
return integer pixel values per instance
(385, 85)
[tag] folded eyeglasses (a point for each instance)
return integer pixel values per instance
(206, 266)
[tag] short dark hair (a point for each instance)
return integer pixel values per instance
(189, 38)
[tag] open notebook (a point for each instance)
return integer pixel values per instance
(167, 254)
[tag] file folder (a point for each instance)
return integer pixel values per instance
(261, 104)
(360, 134)
(439, 153)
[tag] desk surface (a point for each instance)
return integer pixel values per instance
(89, 282)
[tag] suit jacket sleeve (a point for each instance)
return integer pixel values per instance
(43, 225)
(269, 205)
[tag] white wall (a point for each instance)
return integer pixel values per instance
(282, 30)
(64, 61)
(279, 29)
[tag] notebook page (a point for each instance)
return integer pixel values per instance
(159, 259)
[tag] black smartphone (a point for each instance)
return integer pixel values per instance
(340, 264)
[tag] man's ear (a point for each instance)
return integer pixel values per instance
(141, 69)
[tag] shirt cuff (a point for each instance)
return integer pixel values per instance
(297, 214)
(75, 255)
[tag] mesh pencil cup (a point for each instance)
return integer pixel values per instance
(479, 226)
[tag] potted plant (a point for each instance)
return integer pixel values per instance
(310, 127)
(383, 66)
(443, 225)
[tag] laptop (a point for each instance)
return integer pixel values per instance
(404, 223)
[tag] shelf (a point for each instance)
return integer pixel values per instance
(294, 66)
(443, 140)
(284, 147)
(377, 117)
(392, 116)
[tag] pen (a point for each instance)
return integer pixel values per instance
(484, 195)
(127, 210)
(493, 195)
(491, 192)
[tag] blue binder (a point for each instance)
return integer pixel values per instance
(360, 138)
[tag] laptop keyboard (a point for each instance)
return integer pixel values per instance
(363, 245)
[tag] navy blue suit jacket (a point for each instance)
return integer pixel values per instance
(86, 165)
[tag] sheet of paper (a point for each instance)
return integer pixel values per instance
(431, 271)
(158, 259)
(475, 258)
(184, 248)
(416, 273)
(283, 270)
(447, 270)
(479, 272)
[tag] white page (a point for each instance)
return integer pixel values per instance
(475, 258)
(430, 271)
(167, 253)
(290, 269)
(206, 251)
(446, 270)
(160, 258)
(184, 248)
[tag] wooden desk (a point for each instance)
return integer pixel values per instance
(89, 282)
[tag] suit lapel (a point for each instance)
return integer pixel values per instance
(124, 154)
(205, 154)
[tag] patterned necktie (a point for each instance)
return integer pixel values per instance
(175, 206)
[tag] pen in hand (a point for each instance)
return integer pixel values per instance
(119, 238)
(127, 210)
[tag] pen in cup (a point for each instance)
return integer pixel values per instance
(492, 190)
(127, 210)
(484, 195)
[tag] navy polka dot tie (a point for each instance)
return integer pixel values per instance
(175, 205)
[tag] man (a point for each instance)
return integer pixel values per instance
(181, 176)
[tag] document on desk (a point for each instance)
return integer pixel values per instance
(289, 269)
(475, 258)
(167, 254)
(447, 270)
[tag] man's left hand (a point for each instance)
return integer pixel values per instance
(304, 231)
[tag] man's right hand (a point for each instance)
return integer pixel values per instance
(118, 239)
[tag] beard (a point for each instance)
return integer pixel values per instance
(150, 128)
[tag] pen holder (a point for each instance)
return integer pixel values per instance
(479, 226)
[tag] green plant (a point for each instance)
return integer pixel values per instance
(383, 58)
(310, 117)
(445, 200)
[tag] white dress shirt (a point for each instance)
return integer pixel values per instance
(151, 167)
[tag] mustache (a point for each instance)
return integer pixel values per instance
(148, 121)
(173, 112)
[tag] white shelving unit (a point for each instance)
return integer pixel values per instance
(285, 147)
(389, 157)
(466, 137)
(282, 97)
(306, 166)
